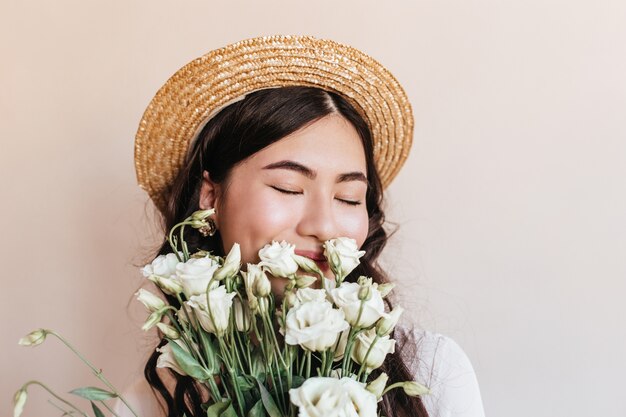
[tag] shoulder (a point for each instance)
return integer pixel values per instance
(141, 397)
(438, 362)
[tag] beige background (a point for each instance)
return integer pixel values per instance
(511, 205)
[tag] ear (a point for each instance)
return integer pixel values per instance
(209, 192)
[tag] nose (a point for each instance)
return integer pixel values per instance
(317, 221)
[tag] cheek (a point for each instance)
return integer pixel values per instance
(355, 225)
(254, 224)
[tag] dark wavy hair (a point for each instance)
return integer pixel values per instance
(235, 133)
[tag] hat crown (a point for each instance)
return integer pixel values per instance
(201, 88)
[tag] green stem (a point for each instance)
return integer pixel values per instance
(109, 408)
(170, 239)
(276, 347)
(308, 364)
(61, 409)
(97, 372)
(215, 391)
(54, 395)
(392, 386)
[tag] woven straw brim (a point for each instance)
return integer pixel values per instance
(199, 89)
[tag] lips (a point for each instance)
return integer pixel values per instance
(317, 257)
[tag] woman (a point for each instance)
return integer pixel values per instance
(289, 138)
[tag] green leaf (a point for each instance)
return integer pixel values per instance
(188, 363)
(257, 410)
(297, 381)
(93, 393)
(209, 350)
(245, 383)
(221, 409)
(229, 412)
(96, 410)
(258, 364)
(268, 401)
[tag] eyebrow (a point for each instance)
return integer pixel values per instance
(311, 174)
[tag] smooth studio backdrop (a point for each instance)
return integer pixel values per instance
(511, 205)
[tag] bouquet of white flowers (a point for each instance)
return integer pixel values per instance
(307, 353)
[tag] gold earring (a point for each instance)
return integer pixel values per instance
(210, 228)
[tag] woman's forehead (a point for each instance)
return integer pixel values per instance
(330, 143)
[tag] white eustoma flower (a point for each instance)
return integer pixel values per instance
(220, 302)
(363, 401)
(309, 294)
(278, 258)
(331, 397)
(195, 275)
(171, 286)
(320, 397)
(346, 297)
(378, 352)
(343, 255)
(314, 325)
(167, 360)
(162, 266)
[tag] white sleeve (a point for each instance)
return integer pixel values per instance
(445, 368)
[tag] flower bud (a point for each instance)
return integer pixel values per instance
(231, 266)
(385, 289)
(307, 264)
(19, 400)
(34, 338)
(202, 214)
(153, 319)
(303, 281)
(151, 301)
(370, 350)
(200, 254)
(197, 224)
(290, 299)
(168, 331)
(385, 324)
(262, 286)
(377, 386)
(364, 281)
(242, 315)
(249, 278)
(168, 285)
(413, 389)
(365, 293)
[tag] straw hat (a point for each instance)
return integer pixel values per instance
(207, 84)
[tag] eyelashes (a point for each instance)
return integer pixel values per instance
(290, 192)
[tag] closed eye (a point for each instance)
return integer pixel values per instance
(291, 192)
(282, 190)
(349, 202)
